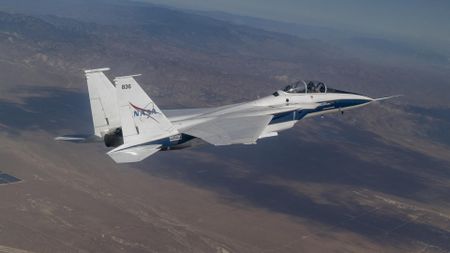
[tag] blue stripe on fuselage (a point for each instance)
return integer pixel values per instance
(327, 105)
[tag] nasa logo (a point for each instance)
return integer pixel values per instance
(143, 112)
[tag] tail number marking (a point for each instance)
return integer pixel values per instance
(126, 86)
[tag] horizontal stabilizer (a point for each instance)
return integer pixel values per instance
(268, 135)
(132, 155)
(79, 138)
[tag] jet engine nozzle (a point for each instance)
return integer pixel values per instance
(113, 138)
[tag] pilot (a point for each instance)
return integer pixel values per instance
(311, 87)
(321, 87)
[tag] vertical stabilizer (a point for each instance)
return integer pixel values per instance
(141, 119)
(102, 96)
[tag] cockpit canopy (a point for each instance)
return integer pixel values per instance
(306, 87)
(303, 87)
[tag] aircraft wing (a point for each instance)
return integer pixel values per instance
(133, 154)
(226, 131)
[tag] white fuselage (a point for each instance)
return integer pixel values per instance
(287, 109)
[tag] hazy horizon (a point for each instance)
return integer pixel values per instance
(374, 179)
(425, 21)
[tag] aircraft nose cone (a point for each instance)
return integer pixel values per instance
(366, 99)
(357, 100)
(369, 99)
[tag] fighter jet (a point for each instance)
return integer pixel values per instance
(127, 119)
